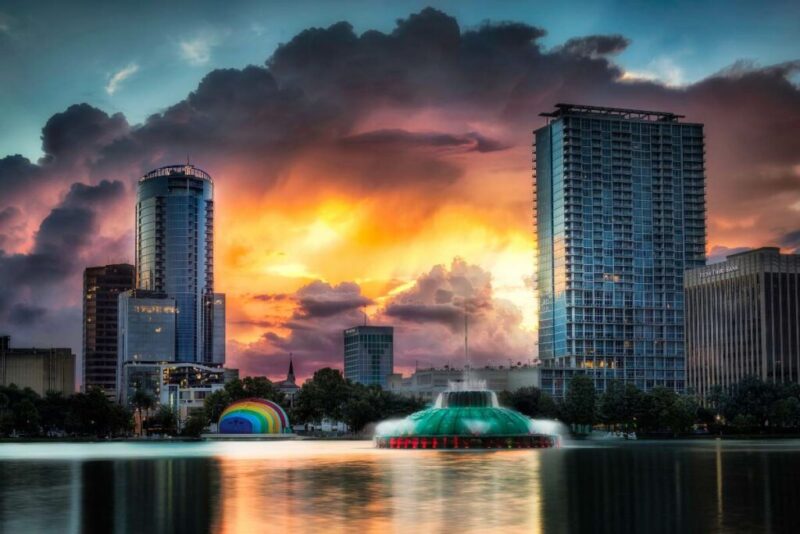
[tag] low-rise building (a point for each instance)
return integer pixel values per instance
(41, 369)
(428, 383)
(181, 386)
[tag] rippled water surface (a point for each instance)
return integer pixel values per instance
(699, 486)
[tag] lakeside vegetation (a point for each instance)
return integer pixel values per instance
(751, 407)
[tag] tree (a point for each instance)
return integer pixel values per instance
(195, 425)
(579, 402)
(785, 413)
(163, 421)
(323, 396)
(26, 417)
(614, 409)
(530, 401)
(53, 408)
(215, 404)
(752, 397)
(254, 386)
(92, 413)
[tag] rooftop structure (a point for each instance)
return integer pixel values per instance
(605, 112)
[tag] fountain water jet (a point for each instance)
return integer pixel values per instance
(466, 416)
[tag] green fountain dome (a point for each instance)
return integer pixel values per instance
(462, 418)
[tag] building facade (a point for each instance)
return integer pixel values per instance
(101, 288)
(183, 387)
(743, 319)
(369, 354)
(147, 326)
(40, 369)
(620, 215)
(175, 256)
(428, 383)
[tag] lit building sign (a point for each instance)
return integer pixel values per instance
(153, 309)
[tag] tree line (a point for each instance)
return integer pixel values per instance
(327, 395)
(751, 406)
(24, 413)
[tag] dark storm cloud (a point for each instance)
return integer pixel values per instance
(319, 299)
(18, 176)
(79, 131)
(402, 140)
(596, 45)
(309, 100)
(60, 242)
(790, 240)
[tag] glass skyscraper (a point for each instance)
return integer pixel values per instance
(369, 354)
(620, 215)
(175, 256)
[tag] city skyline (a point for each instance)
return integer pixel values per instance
(314, 226)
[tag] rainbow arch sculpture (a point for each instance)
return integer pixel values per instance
(254, 416)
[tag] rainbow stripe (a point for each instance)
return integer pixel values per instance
(254, 416)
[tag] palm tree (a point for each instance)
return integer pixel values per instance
(141, 400)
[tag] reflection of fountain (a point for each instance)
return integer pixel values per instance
(466, 416)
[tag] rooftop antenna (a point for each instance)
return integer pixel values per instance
(365, 317)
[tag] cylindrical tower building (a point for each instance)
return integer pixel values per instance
(175, 255)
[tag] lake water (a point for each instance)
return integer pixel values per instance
(671, 486)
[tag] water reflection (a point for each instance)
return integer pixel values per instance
(314, 486)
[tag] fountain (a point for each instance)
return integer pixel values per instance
(466, 416)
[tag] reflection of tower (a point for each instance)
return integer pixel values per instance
(175, 256)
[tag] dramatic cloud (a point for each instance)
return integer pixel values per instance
(65, 239)
(428, 317)
(596, 45)
(347, 165)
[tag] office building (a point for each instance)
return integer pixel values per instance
(428, 383)
(369, 354)
(743, 319)
(175, 256)
(183, 387)
(620, 215)
(40, 369)
(101, 289)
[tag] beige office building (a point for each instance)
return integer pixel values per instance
(42, 370)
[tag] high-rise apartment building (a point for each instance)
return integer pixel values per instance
(620, 215)
(743, 319)
(369, 354)
(101, 287)
(175, 256)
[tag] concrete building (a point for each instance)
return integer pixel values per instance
(743, 319)
(369, 354)
(101, 288)
(181, 386)
(175, 256)
(620, 215)
(428, 383)
(40, 369)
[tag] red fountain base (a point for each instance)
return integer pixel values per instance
(468, 442)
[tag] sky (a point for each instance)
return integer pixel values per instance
(370, 158)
